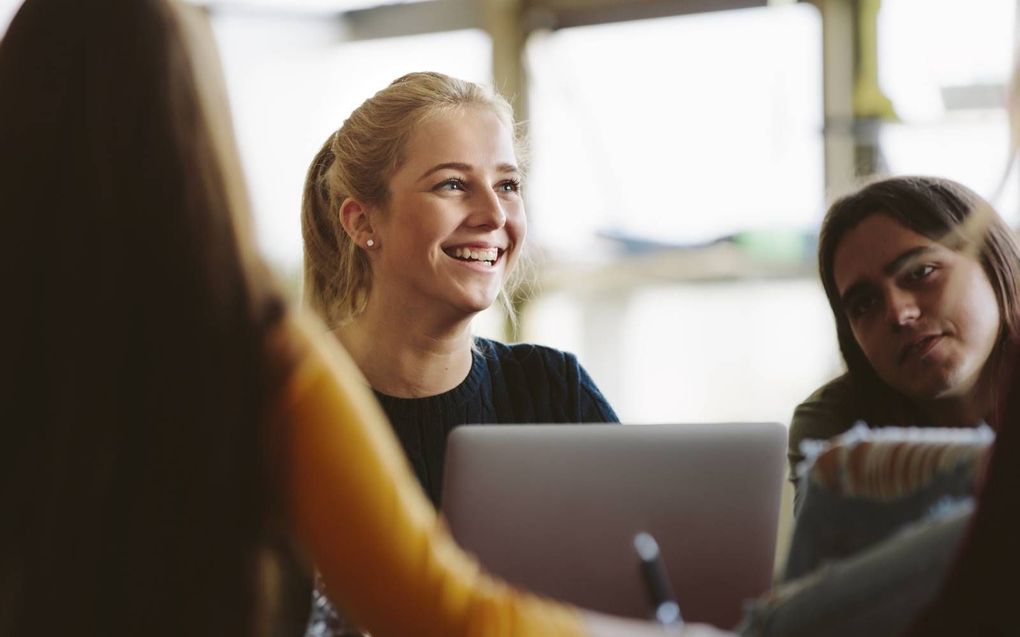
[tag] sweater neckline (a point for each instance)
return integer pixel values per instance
(446, 400)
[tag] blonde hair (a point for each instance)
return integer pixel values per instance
(357, 161)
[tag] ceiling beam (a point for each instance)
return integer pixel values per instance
(575, 13)
(414, 18)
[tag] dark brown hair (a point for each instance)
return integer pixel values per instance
(134, 375)
(936, 208)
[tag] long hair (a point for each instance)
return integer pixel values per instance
(134, 379)
(357, 161)
(935, 208)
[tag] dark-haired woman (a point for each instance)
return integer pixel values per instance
(923, 313)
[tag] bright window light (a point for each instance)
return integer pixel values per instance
(292, 83)
(947, 83)
(7, 10)
(680, 129)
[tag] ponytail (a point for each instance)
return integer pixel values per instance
(337, 276)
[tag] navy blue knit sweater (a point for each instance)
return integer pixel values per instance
(507, 384)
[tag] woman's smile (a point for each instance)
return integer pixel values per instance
(473, 255)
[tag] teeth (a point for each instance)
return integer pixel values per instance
(481, 254)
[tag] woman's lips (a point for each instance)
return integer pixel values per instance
(921, 347)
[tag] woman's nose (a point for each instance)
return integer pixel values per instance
(902, 307)
(487, 210)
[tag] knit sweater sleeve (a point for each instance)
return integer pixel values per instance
(534, 383)
(380, 547)
(593, 406)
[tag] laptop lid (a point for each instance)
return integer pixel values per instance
(555, 508)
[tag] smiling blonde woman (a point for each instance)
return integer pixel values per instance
(414, 222)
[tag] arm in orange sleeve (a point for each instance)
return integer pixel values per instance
(383, 552)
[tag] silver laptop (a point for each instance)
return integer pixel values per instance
(555, 508)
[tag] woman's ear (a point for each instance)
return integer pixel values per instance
(355, 217)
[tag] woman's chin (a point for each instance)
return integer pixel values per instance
(476, 304)
(935, 386)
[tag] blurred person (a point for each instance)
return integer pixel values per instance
(923, 312)
(976, 597)
(172, 425)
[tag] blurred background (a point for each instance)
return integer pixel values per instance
(682, 156)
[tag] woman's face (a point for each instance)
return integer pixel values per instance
(455, 223)
(924, 315)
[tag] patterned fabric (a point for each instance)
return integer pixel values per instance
(862, 487)
(886, 464)
(837, 406)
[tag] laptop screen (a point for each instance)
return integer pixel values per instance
(555, 508)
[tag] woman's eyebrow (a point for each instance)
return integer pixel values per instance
(451, 165)
(906, 258)
(455, 165)
(890, 269)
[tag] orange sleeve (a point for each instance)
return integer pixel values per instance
(382, 550)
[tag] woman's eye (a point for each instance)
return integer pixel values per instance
(861, 306)
(921, 272)
(510, 185)
(451, 184)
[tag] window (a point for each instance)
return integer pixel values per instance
(293, 81)
(680, 131)
(944, 65)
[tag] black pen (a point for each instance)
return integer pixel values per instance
(653, 572)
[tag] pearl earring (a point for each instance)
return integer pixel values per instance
(370, 242)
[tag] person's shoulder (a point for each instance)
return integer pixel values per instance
(526, 354)
(532, 364)
(837, 391)
(829, 410)
(553, 377)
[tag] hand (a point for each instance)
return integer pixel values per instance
(599, 625)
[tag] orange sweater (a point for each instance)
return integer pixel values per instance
(383, 553)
